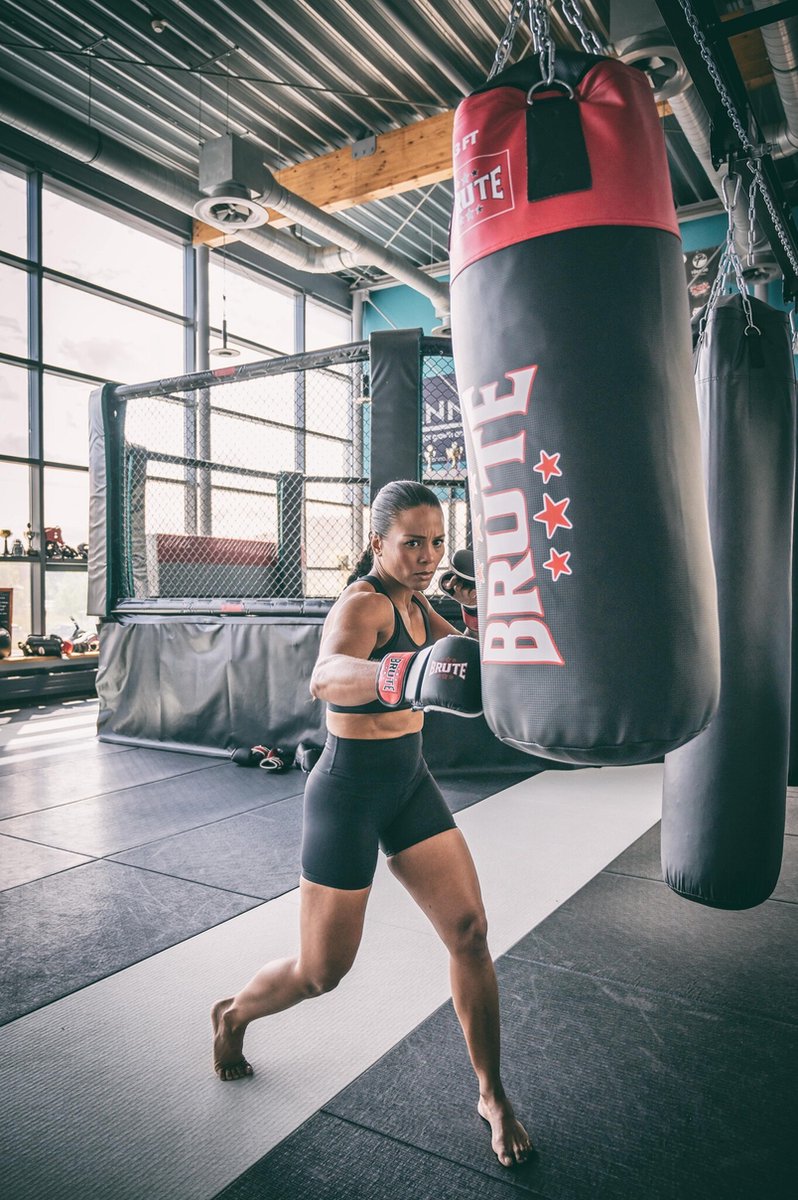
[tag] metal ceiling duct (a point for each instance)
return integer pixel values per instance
(781, 45)
(51, 125)
(654, 53)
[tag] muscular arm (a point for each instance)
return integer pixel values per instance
(343, 672)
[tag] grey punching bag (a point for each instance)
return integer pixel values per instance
(724, 792)
(571, 340)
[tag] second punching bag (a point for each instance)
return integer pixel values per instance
(571, 339)
(724, 795)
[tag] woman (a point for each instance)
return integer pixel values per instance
(371, 785)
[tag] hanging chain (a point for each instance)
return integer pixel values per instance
(754, 152)
(542, 40)
(540, 28)
(572, 11)
(729, 264)
(508, 37)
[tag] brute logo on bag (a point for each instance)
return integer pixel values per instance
(516, 630)
(483, 187)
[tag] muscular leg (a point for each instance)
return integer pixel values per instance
(331, 925)
(439, 874)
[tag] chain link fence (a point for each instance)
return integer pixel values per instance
(253, 482)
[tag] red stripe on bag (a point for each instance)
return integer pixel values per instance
(625, 145)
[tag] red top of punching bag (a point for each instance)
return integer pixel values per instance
(625, 147)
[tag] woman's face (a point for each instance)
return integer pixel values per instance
(412, 549)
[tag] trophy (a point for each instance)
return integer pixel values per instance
(453, 455)
(29, 536)
(429, 454)
(5, 534)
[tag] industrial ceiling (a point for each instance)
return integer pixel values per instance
(310, 82)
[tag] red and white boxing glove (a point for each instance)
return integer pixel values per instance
(444, 676)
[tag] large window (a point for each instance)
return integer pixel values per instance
(260, 316)
(110, 294)
(89, 294)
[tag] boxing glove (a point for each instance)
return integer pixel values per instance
(444, 676)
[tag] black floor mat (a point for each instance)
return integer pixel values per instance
(256, 852)
(79, 776)
(643, 860)
(627, 1094)
(110, 824)
(328, 1159)
(638, 933)
(61, 933)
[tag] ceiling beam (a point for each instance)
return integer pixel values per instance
(415, 156)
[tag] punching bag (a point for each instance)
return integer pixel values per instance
(724, 793)
(572, 349)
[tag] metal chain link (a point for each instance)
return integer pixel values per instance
(508, 37)
(572, 11)
(542, 40)
(729, 264)
(753, 151)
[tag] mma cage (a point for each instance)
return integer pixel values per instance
(250, 486)
(227, 510)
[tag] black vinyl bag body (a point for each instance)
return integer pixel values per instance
(572, 348)
(724, 793)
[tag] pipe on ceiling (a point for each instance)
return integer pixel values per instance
(56, 128)
(781, 45)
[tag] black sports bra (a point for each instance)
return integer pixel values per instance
(400, 639)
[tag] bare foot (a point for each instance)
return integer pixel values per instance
(510, 1141)
(228, 1059)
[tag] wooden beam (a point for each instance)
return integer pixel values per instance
(414, 156)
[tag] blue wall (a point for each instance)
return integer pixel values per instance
(406, 309)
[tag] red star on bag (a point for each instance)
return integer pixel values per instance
(552, 515)
(558, 564)
(547, 466)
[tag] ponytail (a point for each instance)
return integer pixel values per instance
(362, 566)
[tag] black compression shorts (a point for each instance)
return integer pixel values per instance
(362, 794)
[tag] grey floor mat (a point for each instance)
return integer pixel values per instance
(328, 1159)
(91, 749)
(643, 860)
(637, 932)
(81, 776)
(21, 862)
(256, 852)
(64, 932)
(627, 1094)
(112, 823)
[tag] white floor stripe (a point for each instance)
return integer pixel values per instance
(8, 760)
(113, 1092)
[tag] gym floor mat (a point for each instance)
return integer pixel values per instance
(643, 860)
(626, 1092)
(79, 778)
(61, 933)
(638, 933)
(22, 862)
(363, 1166)
(256, 852)
(124, 819)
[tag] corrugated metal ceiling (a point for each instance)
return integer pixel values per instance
(298, 78)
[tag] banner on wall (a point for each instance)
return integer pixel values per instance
(442, 443)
